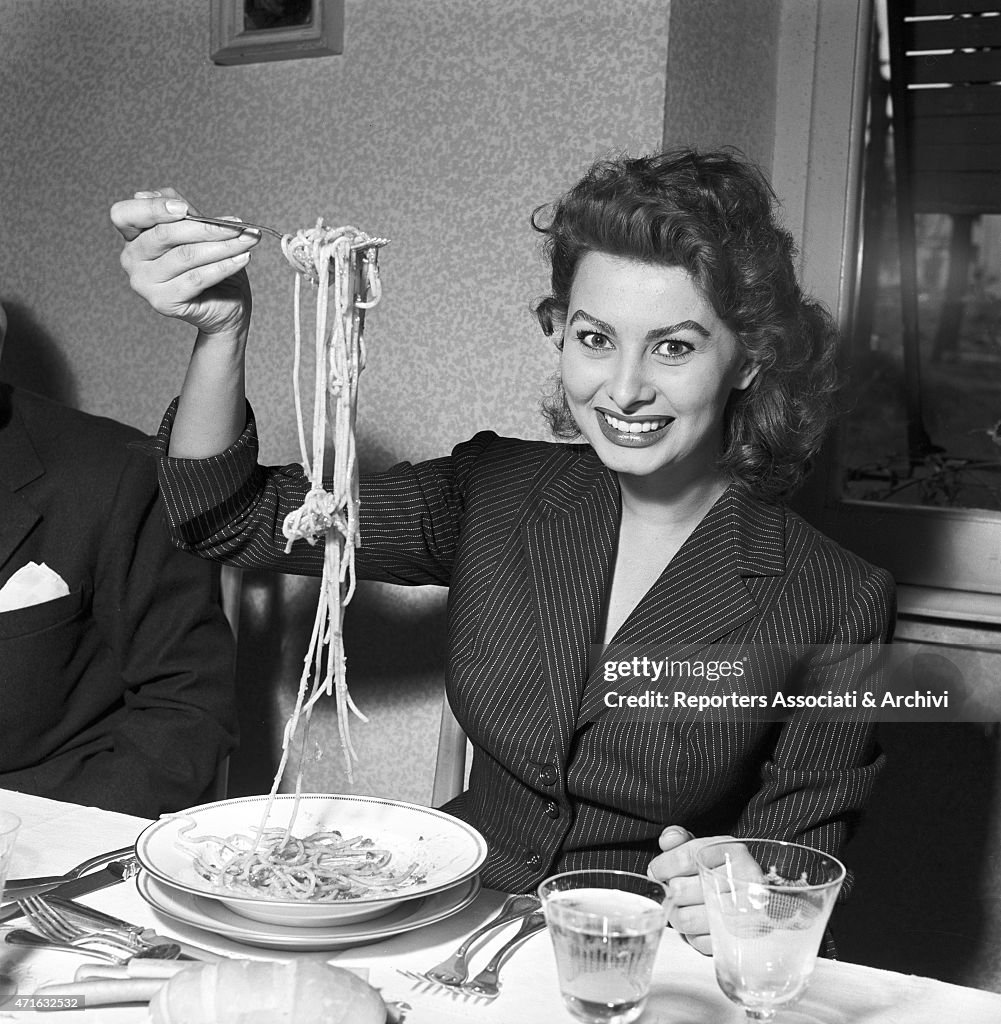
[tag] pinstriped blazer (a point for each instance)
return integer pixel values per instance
(524, 535)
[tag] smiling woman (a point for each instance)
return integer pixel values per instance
(700, 379)
(652, 364)
(699, 232)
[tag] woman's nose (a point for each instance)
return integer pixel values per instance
(628, 385)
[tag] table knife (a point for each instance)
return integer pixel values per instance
(116, 871)
(17, 888)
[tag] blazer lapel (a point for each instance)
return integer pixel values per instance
(701, 597)
(19, 465)
(570, 539)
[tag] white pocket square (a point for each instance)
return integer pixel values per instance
(33, 583)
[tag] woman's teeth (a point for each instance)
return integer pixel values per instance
(635, 427)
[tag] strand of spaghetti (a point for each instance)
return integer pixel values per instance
(320, 388)
(288, 734)
(311, 668)
(357, 356)
(296, 362)
(344, 358)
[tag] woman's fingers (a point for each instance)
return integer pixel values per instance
(693, 920)
(687, 904)
(732, 861)
(673, 842)
(688, 915)
(674, 836)
(174, 246)
(146, 209)
(172, 296)
(686, 890)
(702, 942)
(167, 251)
(678, 856)
(183, 269)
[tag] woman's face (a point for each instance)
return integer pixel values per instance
(647, 368)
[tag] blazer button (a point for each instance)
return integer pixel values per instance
(548, 775)
(553, 809)
(532, 860)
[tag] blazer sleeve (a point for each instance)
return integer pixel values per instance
(821, 772)
(156, 608)
(231, 509)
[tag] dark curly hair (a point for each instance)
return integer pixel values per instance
(713, 215)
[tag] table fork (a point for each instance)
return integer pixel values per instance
(456, 993)
(22, 937)
(454, 969)
(370, 243)
(486, 984)
(52, 924)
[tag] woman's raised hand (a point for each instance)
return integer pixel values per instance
(184, 269)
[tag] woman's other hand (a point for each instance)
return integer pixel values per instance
(676, 867)
(182, 268)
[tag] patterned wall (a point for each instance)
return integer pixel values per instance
(721, 83)
(442, 125)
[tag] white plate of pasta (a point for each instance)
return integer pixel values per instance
(320, 861)
(212, 916)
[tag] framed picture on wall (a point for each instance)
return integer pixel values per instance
(250, 31)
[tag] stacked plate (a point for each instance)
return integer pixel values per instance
(447, 854)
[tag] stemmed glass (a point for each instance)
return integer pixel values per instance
(768, 904)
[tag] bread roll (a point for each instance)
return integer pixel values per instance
(263, 992)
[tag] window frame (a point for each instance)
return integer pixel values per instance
(946, 561)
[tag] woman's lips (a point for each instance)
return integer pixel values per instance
(633, 433)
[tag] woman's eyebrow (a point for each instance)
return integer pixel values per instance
(582, 314)
(684, 325)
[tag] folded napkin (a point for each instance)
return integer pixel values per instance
(33, 583)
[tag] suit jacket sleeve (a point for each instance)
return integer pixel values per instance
(229, 508)
(821, 772)
(157, 609)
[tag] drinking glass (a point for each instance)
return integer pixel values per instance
(768, 904)
(9, 824)
(606, 927)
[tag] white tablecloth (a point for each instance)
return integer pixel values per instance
(55, 836)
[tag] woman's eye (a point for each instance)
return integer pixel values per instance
(674, 349)
(593, 340)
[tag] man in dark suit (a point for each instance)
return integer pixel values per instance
(116, 662)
